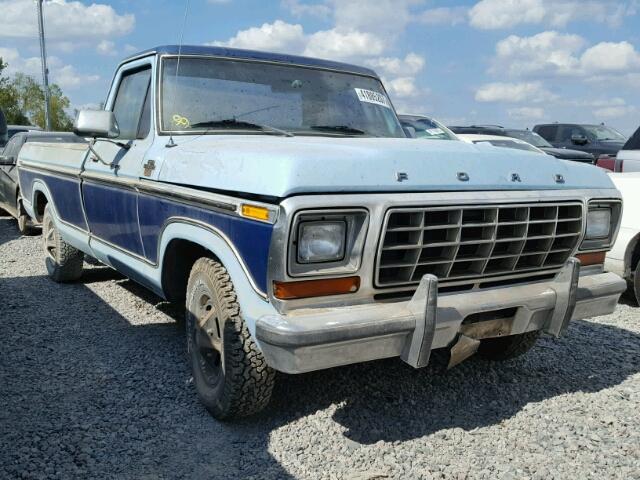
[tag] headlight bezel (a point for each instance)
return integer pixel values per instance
(356, 221)
(605, 242)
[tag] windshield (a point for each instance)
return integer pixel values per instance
(220, 96)
(602, 132)
(429, 129)
(530, 137)
(509, 144)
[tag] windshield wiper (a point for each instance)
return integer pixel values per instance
(338, 128)
(234, 123)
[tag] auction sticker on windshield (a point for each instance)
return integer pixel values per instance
(370, 96)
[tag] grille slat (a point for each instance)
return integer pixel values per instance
(474, 242)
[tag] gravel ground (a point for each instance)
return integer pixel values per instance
(94, 384)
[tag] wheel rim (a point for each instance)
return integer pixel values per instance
(207, 340)
(50, 243)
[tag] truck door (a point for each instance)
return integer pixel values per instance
(108, 188)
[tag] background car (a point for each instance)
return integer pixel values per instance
(14, 129)
(500, 141)
(624, 258)
(427, 128)
(531, 138)
(10, 199)
(594, 139)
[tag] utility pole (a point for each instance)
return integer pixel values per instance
(45, 70)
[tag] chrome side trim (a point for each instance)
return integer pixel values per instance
(197, 198)
(60, 171)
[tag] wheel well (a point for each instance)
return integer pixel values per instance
(179, 258)
(39, 203)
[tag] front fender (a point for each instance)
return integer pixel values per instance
(253, 302)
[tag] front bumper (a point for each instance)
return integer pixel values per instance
(313, 339)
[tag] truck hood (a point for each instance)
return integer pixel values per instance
(284, 166)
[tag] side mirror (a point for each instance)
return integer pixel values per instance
(96, 124)
(410, 132)
(7, 160)
(578, 139)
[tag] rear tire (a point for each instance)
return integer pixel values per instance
(505, 348)
(24, 222)
(230, 374)
(64, 262)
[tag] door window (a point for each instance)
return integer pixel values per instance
(130, 102)
(548, 132)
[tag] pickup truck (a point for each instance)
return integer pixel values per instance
(279, 198)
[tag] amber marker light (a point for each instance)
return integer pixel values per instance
(315, 288)
(255, 212)
(595, 258)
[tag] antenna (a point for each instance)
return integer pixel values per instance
(171, 143)
(45, 70)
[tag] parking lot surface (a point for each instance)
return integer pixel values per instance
(94, 383)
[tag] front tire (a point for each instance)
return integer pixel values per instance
(506, 348)
(230, 374)
(64, 262)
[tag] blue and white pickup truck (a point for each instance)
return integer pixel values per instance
(281, 200)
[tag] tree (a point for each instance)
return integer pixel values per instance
(9, 100)
(22, 99)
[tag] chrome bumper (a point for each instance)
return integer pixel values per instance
(313, 339)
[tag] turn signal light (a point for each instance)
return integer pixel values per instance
(315, 288)
(255, 212)
(595, 258)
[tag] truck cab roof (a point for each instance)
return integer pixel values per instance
(241, 54)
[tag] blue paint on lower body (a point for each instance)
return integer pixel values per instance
(66, 194)
(133, 222)
(250, 238)
(112, 214)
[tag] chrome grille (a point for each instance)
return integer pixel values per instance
(475, 242)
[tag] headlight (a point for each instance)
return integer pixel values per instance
(321, 241)
(603, 219)
(598, 223)
(326, 242)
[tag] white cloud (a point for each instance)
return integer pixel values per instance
(106, 47)
(545, 52)
(63, 20)
(66, 76)
(341, 45)
(513, 92)
(610, 57)
(553, 53)
(382, 17)
(299, 9)
(410, 65)
(444, 16)
(615, 111)
(285, 37)
(277, 36)
(526, 113)
(499, 14)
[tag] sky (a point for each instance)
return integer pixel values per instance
(507, 62)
